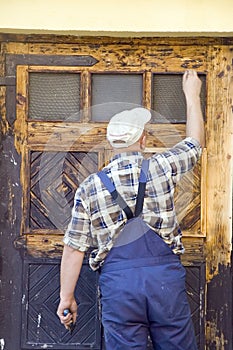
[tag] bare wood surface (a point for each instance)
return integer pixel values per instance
(51, 245)
(68, 134)
(153, 57)
(219, 162)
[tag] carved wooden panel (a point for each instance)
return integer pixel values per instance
(188, 201)
(55, 177)
(41, 328)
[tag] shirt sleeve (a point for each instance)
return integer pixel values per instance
(182, 157)
(78, 234)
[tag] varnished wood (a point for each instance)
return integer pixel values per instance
(203, 193)
(154, 57)
(20, 126)
(219, 160)
(50, 244)
(2, 59)
(85, 135)
(219, 196)
(71, 135)
(147, 87)
(54, 39)
(5, 127)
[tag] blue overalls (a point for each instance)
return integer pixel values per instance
(142, 285)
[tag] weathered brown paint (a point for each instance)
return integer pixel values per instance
(219, 164)
(99, 40)
(219, 312)
(4, 123)
(219, 209)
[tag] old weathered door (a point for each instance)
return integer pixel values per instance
(57, 96)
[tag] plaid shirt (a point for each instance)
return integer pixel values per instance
(97, 220)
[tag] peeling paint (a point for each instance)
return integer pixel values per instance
(221, 74)
(219, 187)
(11, 209)
(12, 159)
(38, 320)
(4, 123)
(2, 343)
(20, 134)
(46, 346)
(218, 340)
(219, 314)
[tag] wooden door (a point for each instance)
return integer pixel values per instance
(57, 96)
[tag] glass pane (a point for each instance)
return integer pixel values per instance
(112, 93)
(168, 100)
(54, 96)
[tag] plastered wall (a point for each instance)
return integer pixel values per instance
(210, 17)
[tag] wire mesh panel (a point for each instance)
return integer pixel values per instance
(168, 100)
(112, 93)
(54, 96)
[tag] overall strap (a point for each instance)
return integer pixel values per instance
(141, 187)
(117, 197)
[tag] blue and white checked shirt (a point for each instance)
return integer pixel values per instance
(97, 220)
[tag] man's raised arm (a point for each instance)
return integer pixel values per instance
(195, 124)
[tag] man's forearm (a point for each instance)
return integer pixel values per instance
(70, 269)
(195, 123)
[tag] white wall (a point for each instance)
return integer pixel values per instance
(212, 17)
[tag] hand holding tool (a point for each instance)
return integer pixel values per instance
(71, 325)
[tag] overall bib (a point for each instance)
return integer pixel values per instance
(142, 285)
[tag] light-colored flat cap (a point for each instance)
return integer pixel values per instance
(125, 128)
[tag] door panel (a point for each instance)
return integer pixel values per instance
(54, 179)
(55, 175)
(40, 326)
(54, 136)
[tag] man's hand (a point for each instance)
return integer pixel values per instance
(191, 85)
(71, 316)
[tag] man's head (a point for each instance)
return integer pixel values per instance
(126, 128)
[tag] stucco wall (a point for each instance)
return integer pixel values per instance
(211, 17)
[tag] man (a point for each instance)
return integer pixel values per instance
(142, 281)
